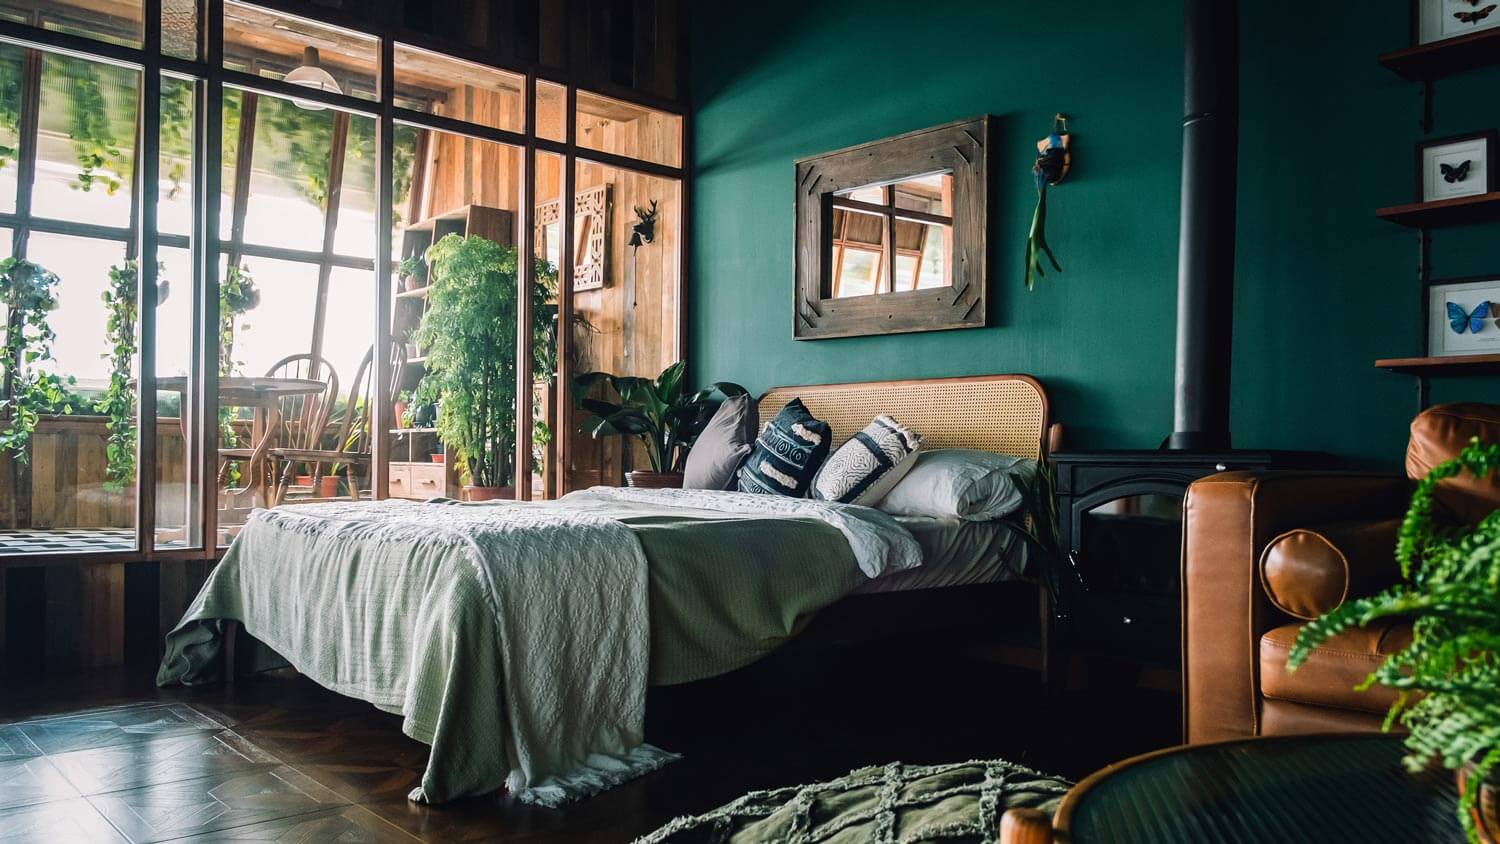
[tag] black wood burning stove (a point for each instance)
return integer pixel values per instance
(1121, 511)
(1120, 515)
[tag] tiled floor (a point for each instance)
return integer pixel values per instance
(152, 772)
(280, 759)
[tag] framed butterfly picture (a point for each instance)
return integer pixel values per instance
(1463, 318)
(1463, 165)
(1439, 20)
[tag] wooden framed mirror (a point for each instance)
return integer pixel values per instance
(590, 236)
(892, 235)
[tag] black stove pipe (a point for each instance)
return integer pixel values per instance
(1205, 262)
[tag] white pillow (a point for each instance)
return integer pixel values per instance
(946, 483)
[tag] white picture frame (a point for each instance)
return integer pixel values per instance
(1439, 20)
(1442, 339)
(1450, 168)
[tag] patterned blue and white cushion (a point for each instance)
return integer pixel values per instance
(866, 467)
(787, 454)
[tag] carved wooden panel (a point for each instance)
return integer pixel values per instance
(960, 148)
(591, 221)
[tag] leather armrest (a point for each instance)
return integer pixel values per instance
(1228, 520)
(1307, 572)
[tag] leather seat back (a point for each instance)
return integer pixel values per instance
(1440, 433)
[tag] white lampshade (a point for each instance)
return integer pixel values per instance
(312, 75)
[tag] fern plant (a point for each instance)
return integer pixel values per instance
(1448, 678)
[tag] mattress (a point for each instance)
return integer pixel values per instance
(956, 552)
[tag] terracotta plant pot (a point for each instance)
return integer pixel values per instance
(303, 480)
(489, 493)
(438, 457)
(400, 412)
(654, 480)
(328, 486)
(1486, 810)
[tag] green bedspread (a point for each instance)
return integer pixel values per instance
(518, 639)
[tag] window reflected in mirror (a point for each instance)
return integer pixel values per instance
(893, 237)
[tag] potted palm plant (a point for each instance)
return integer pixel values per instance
(1449, 676)
(469, 334)
(659, 412)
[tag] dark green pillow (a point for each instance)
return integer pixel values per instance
(788, 453)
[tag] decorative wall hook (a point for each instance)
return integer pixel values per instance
(1053, 161)
(643, 230)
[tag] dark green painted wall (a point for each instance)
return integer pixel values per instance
(1323, 288)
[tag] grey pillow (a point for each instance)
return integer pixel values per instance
(722, 446)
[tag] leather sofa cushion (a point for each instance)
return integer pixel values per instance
(1438, 434)
(1333, 670)
(1308, 572)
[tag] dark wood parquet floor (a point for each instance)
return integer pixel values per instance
(110, 758)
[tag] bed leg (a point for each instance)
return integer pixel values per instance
(231, 664)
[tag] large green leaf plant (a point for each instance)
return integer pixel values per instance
(660, 411)
(469, 336)
(1448, 678)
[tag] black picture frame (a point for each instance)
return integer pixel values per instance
(1491, 137)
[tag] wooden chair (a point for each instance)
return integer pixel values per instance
(303, 418)
(351, 444)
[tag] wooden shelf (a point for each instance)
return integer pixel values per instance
(419, 293)
(1427, 62)
(1460, 365)
(1444, 212)
(414, 430)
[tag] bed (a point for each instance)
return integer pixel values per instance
(518, 639)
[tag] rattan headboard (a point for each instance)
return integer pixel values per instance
(1001, 413)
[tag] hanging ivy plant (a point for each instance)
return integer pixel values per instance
(94, 142)
(237, 295)
(118, 401)
(29, 293)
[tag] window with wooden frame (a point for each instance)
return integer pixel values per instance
(891, 235)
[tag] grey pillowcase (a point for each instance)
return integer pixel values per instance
(723, 445)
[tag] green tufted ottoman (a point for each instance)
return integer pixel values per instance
(890, 804)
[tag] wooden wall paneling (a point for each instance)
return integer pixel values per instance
(4, 617)
(103, 635)
(24, 617)
(178, 584)
(63, 620)
(552, 34)
(44, 478)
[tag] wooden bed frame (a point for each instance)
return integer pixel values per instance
(1007, 414)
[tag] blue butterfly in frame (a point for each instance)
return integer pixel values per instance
(1459, 319)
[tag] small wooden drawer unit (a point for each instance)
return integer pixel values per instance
(418, 481)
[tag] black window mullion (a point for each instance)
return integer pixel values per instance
(144, 219)
(385, 137)
(209, 149)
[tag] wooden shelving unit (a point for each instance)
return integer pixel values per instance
(413, 474)
(1463, 365)
(1444, 212)
(1427, 62)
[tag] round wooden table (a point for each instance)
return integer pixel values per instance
(1329, 788)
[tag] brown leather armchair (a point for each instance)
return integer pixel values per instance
(1264, 552)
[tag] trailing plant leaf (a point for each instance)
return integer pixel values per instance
(237, 296)
(118, 401)
(1449, 676)
(659, 412)
(10, 100)
(100, 160)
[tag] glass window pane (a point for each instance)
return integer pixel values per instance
(407, 158)
(546, 371)
(354, 234)
(288, 175)
(465, 199)
(179, 28)
(932, 194)
(436, 84)
(174, 209)
(280, 46)
(629, 325)
(115, 21)
(177, 499)
(73, 482)
(551, 111)
(857, 257)
(233, 126)
(10, 117)
(622, 128)
(85, 142)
